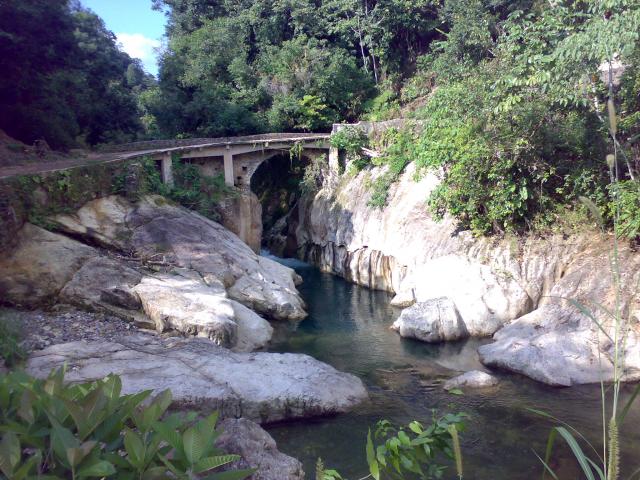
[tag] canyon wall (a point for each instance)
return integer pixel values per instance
(515, 288)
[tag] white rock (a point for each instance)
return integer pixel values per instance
(264, 387)
(49, 267)
(555, 345)
(472, 379)
(434, 320)
(177, 303)
(155, 228)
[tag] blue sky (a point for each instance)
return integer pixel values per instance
(139, 28)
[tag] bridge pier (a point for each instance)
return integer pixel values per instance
(334, 159)
(228, 167)
(167, 169)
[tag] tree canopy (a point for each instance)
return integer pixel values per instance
(64, 79)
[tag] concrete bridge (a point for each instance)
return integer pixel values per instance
(236, 157)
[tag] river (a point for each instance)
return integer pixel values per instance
(348, 327)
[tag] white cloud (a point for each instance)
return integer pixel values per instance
(139, 46)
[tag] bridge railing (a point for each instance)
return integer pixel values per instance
(187, 142)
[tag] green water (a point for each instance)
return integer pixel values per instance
(348, 327)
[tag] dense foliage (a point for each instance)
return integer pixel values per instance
(251, 65)
(514, 97)
(63, 78)
(510, 94)
(54, 430)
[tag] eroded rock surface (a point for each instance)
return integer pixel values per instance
(40, 266)
(258, 450)
(492, 282)
(163, 267)
(264, 387)
(156, 229)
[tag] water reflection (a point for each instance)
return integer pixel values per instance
(348, 327)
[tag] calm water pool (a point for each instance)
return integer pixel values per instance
(348, 327)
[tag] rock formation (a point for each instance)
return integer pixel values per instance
(490, 281)
(258, 450)
(264, 387)
(208, 282)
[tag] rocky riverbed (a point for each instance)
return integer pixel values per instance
(166, 298)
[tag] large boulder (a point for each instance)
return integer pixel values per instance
(434, 320)
(264, 387)
(258, 450)
(103, 283)
(153, 228)
(40, 266)
(190, 306)
(47, 267)
(558, 343)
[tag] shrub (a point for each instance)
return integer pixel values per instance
(399, 150)
(351, 140)
(626, 201)
(53, 430)
(409, 451)
(196, 191)
(10, 350)
(313, 175)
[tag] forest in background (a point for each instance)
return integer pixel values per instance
(507, 93)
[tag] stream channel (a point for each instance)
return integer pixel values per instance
(348, 328)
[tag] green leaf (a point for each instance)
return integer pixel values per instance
(547, 468)
(134, 447)
(549, 450)
(193, 445)
(456, 391)
(9, 453)
(169, 435)
(371, 458)
(100, 468)
(75, 455)
(25, 469)
(577, 452)
(209, 463)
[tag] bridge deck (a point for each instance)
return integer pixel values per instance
(153, 148)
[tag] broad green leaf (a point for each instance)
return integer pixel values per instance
(193, 445)
(134, 447)
(169, 435)
(9, 453)
(209, 463)
(371, 458)
(100, 468)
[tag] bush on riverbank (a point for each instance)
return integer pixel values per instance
(91, 430)
(514, 117)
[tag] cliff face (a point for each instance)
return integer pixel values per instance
(491, 281)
